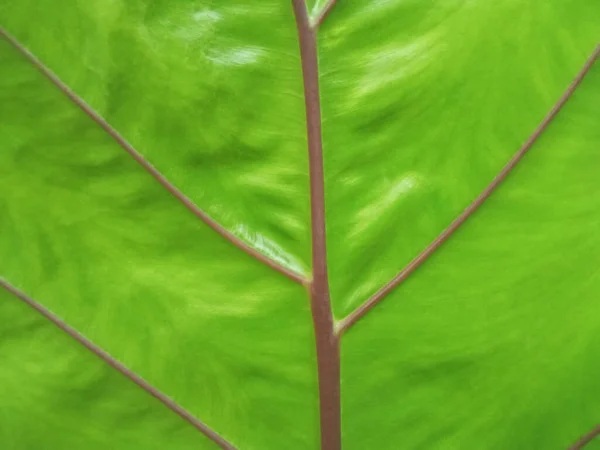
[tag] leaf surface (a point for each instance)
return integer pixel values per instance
(490, 344)
(41, 410)
(423, 104)
(493, 340)
(94, 238)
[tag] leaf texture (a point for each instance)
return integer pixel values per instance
(494, 339)
(422, 113)
(490, 344)
(213, 101)
(94, 238)
(41, 410)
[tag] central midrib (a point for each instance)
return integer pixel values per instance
(327, 342)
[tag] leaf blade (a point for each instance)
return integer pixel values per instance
(74, 401)
(99, 242)
(421, 114)
(208, 92)
(494, 336)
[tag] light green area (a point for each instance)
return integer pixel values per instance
(491, 345)
(93, 237)
(210, 91)
(423, 103)
(55, 394)
(315, 6)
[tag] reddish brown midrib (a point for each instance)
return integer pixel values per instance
(327, 344)
(158, 176)
(586, 439)
(363, 309)
(115, 364)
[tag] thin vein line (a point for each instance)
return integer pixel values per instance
(183, 199)
(363, 309)
(322, 15)
(112, 362)
(327, 343)
(586, 439)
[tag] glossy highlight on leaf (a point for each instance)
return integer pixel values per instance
(303, 224)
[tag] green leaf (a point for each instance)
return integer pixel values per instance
(57, 395)
(490, 343)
